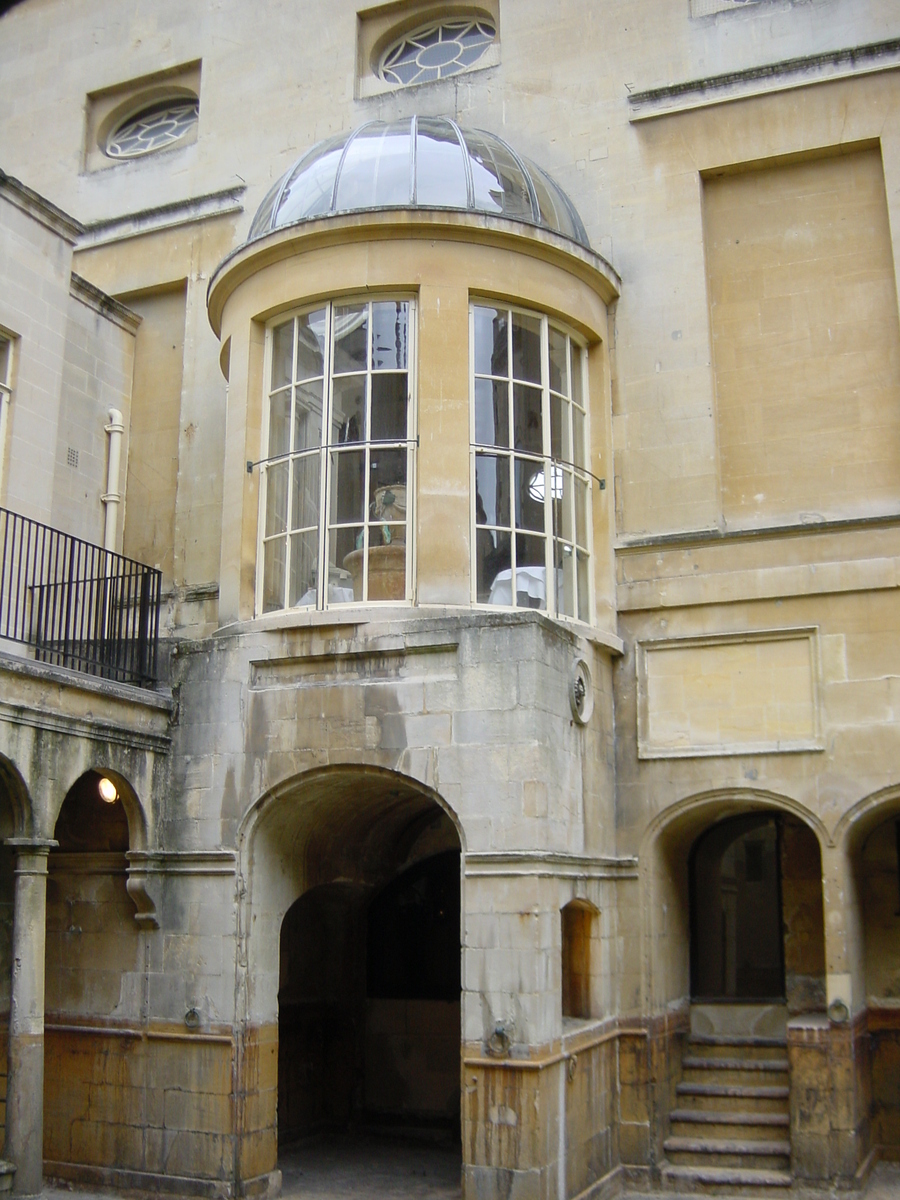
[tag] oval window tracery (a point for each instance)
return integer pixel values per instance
(436, 51)
(153, 128)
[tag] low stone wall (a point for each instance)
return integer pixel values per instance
(139, 1107)
(884, 1038)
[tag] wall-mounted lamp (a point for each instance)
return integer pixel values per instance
(107, 790)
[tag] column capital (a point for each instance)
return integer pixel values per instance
(31, 854)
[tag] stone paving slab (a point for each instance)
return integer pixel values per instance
(335, 1168)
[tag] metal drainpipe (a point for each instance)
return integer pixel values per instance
(113, 496)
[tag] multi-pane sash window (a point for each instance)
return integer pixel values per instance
(531, 484)
(339, 440)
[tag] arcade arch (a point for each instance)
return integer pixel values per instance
(685, 887)
(351, 928)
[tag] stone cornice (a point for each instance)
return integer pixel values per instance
(549, 864)
(691, 94)
(41, 209)
(402, 224)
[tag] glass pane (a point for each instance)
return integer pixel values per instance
(347, 486)
(491, 347)
(282, 354)
(526, 341)
(304, 568)
(529, 494)
(351, 333)
(440, 167)
(581, 512)
(276, 498)
(558, 422)
(387, 484)
(531, 572)
(376, 169)
(491, 412)
(308, 415)
(310, 189)
(563, 489)
(529, 433)
(390, 336)
(493, 573)
(305, 498)
(273, 574)
(577, 366)
(559, 361)
(579, 448)
(389, 403)
(497, 179)
(492, 489)
(279, 424)
(565, 579)
(387, 571)
(345, 563)
(584, 611)
(311, 344)
(348, 415)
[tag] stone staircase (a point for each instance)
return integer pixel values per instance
(730, 1130)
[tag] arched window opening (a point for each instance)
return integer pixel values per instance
(578, 959)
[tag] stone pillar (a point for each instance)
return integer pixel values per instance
(829, 1052)
(25, 1084)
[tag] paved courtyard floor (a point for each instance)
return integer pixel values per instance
(345, 1166)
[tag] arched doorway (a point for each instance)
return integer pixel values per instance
(757, 920)
(356, 873)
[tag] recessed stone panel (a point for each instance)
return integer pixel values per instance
(729, 694)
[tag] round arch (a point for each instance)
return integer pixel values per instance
(663, 868)
(16, 790)
(315, 852)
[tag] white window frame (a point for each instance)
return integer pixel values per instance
(7, 349)
(580, 471)
(325, 449)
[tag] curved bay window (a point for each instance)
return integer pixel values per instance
(531, 487)
(339, 438)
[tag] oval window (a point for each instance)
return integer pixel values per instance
(436, 51)
(153, 128)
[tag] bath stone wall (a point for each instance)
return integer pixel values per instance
(804, 918)
(97, 375)
(149, 532)
(803, 306)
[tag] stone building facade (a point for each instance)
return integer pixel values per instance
(503, 403)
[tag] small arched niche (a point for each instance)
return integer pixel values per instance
(580, 960)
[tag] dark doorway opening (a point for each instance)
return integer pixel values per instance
(369, 1007)
(737, 944)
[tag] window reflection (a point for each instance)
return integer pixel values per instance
(532, 488)
(335, 478)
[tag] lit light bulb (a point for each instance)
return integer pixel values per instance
(107, 790)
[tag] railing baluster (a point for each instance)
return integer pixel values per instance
(76, 604)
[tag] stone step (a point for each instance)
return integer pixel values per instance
(693, 1063)
(733, 1096)
(724, 1180)
(728, 1152)
(751, 1126)
(733, 1039)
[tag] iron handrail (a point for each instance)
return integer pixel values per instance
(76, 604)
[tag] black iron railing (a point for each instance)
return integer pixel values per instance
(76, 604)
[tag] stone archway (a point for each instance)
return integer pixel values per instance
(352, 923)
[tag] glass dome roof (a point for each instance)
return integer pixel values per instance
(418, 162)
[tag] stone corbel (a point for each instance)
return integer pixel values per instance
(136, 886)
